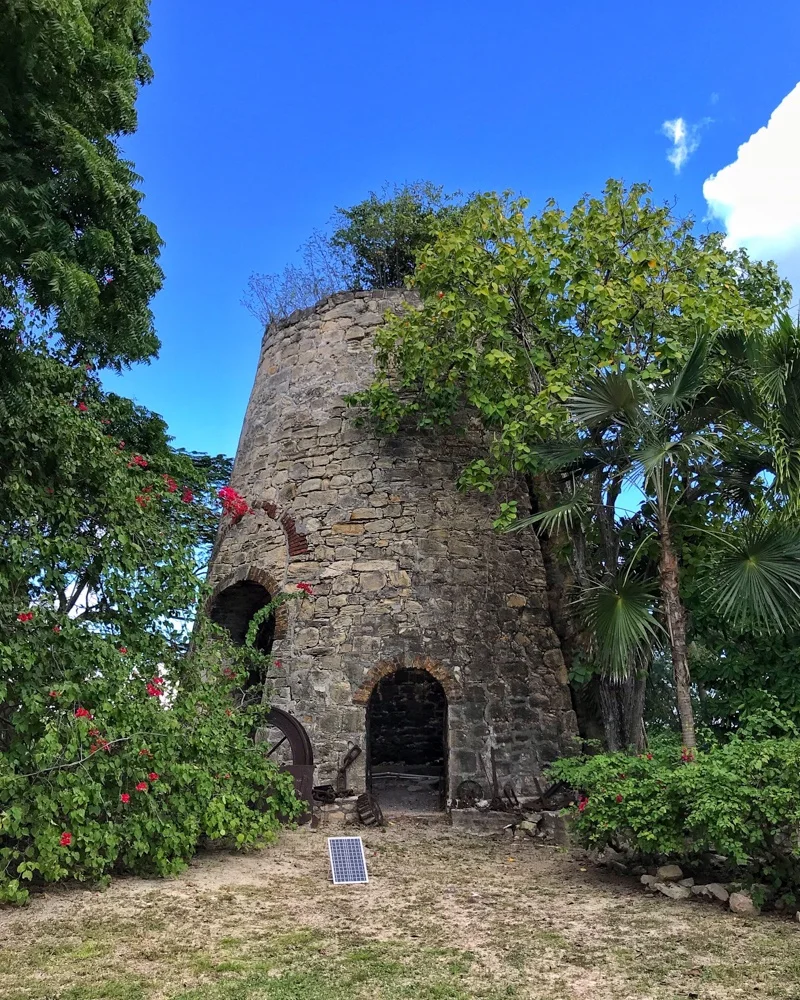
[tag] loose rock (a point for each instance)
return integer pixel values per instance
(718, 891)
(648, 880)
(688, 882)
(673, 891)
(669, 873)
(743, 905)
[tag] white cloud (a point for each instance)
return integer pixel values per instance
(757, 197)
(685, 140)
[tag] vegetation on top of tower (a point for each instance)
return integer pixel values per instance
(373, 244)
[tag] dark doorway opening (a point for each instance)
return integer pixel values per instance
(234, 608)
(407, 741)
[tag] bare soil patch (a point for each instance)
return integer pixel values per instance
(444, 916)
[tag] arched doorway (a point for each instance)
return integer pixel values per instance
(407, 741)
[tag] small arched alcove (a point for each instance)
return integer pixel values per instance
(234, 608)
(407, 741)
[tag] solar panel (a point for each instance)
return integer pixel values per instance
(348, 864)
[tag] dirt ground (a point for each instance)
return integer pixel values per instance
(444, 917)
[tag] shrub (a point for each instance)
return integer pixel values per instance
(121, 769)
(739, 798)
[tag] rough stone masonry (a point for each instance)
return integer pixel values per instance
(408, 573)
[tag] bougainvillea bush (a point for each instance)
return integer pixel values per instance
(119, 769)
(739, 798)
(119, 751)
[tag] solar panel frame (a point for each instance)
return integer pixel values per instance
(348, 863)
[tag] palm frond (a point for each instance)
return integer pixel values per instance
(574, 509)
(758, 581)
(610, 396)
(679, 392)
(620, 616)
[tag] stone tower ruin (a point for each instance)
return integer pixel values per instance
(427, 644)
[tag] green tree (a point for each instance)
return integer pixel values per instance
(117, 750)
(518, 310)
(73, 239)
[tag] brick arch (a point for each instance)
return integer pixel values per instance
(374, 676)
(296, 541)
(252, 574)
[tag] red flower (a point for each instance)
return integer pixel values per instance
(144, 752)
(583, 801)
(25, 616)
(142, 786)
(619, 798)
(66, 839)
(121, 444)
(82, 407)
(441, 295)
(153, 776)
(234, 504)
(306, 588)
(155, 687)
(54, 694)
(56, 628)
(228, 712)
(622, 777)
(83, 713)
(687, 756)
(125, 798)
(277, 664)
(649, 756)
(123, 650)
(137, 460)
(187, 496)
(171, 484)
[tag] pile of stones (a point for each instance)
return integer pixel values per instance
(669, 881)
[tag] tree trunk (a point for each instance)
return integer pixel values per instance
(675, 615)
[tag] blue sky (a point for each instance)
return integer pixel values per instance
(262, 119)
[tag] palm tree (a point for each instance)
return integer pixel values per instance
(718, 425)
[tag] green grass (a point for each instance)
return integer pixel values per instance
(301, 965)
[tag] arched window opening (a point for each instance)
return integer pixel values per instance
(407, 741)
(234, 608)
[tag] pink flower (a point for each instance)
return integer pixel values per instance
(66, 839)
(306, 588)
(125, 798)
(82, 407)
(123, 650)
(142, 786)
(153, 776)
(56, 629)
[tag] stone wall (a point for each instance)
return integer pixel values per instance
(407, 572)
